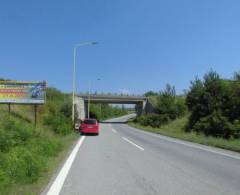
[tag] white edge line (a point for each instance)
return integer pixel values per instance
(58, 182)
(114, 131)
(188, 145)
(139, 147)
(205, 149)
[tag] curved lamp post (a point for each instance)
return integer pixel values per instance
(74, 73)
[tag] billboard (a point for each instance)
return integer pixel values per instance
(22, 92)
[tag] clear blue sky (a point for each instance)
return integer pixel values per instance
(143, 44)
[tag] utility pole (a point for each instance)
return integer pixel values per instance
(89, 91)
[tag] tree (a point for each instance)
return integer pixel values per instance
(169, 104)
(236, 76)
(214, 104)
(151, 93)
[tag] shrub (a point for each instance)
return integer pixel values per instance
(236, 129)
(169, 107)
(214, 124)
(58, 123)
(170, 104)
(63, 129)
(13, 134)
(51, 108)
(181, 107)
(45, 147)
(4, 181)
(66, 108)
(153, 120)
(23, 166)
(215, 106)
(150, 93)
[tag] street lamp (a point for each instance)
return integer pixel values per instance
(89, 92)
(74, 73)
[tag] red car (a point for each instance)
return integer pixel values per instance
(89, 126)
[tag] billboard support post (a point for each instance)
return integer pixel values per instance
(9, 108)
(35, 114)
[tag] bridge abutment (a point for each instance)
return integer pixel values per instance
(81, 107)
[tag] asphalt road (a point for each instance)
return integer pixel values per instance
(124, 160)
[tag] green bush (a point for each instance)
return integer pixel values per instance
(45, 147)
(5, 141)
(51, 107)
(58, 111)
(169, 107)
(150, 93)
(4, 181)
(169, 104)
(21, 165)
(181, 107)
(58, 123)
(66, 109)
(22, 154)
(153, 120)
(236, 128)
(215, 106)
(12, 133)
(214, 124)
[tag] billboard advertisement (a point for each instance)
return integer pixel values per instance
(22, 92)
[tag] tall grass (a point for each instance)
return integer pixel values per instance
(26, 150)
(176, 129)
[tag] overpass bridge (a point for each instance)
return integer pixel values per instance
(81, 101)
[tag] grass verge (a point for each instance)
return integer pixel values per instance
(29, 155)
(52, 166)
(176, 129)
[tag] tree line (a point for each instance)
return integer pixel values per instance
(106, 111)
(212, 105)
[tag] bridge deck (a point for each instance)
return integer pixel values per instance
(114, 99)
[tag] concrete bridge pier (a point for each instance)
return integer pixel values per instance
(140, 108)
(81, 107)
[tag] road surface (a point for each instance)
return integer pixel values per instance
(123, 160)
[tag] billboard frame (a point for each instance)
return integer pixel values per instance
(28, 100)
(26, 103)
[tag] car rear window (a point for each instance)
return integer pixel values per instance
(90, 122)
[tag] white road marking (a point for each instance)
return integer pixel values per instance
(58, 183)
(114, 131)
(174, 140)
(206, 149)
(127, 140)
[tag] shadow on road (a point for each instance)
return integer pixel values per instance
(89, 134)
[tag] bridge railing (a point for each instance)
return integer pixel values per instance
(110, 94)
